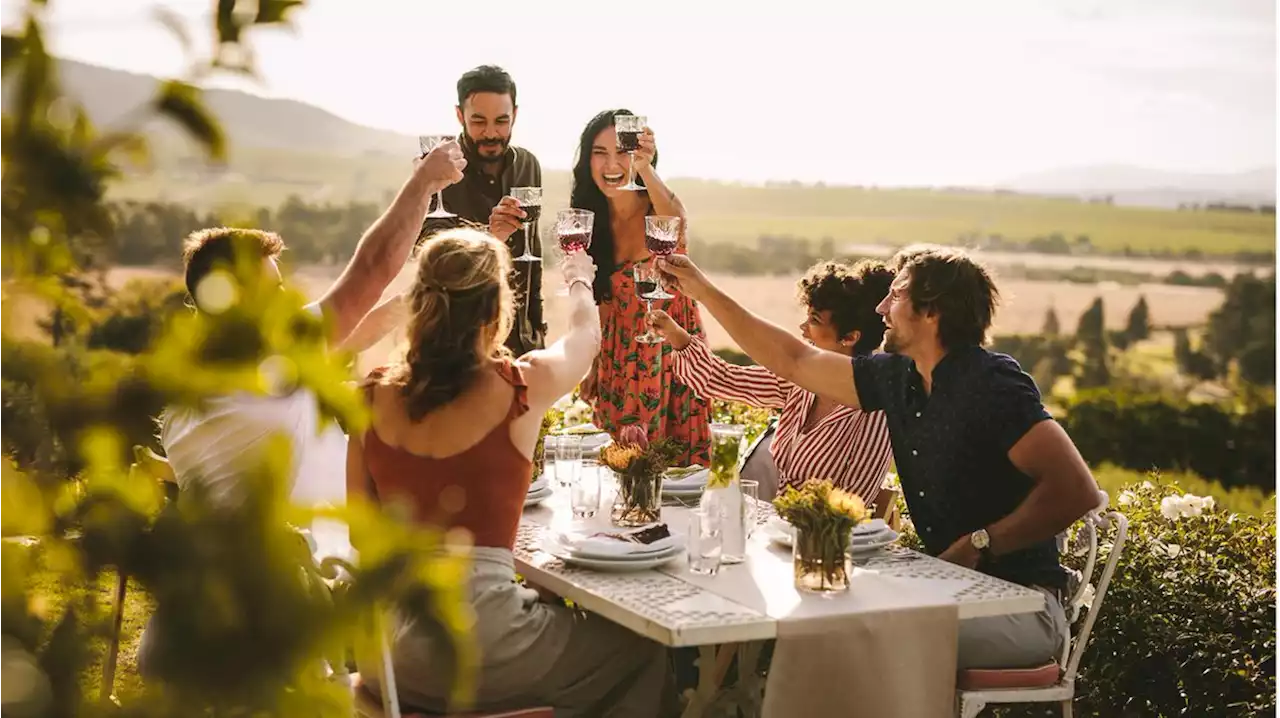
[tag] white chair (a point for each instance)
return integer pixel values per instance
(1054, 682)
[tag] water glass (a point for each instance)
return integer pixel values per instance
(568, 459)
(584, 492)
(706, 543)
(750, 501)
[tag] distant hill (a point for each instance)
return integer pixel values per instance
(249, 120)
(1148, 187)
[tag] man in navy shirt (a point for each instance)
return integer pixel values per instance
(989, 478)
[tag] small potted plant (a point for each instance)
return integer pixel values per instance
(638, 465)
(823, 518)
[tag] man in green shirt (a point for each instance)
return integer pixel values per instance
(487, 112)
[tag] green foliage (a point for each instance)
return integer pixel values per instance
(1091, 334)
(1138, 326)
(245, 619)
(1142, 432)
(1249, 500)
(1244, 328)
(1051, 327)
(730, 412)
(1188, 626)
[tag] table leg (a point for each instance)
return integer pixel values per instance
(713, 664)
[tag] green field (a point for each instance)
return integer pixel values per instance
(723, 212)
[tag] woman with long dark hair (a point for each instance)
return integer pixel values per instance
(631, 383)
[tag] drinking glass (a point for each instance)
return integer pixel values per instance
(706, 543)
(549, 458)
(750, 498)
(628, 129)
(584, 493)
(568, 459)
(426, 143)
(661, 237)
(648, 284)
(530, 199)
(573, 232)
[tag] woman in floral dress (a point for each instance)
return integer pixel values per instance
(632, 382)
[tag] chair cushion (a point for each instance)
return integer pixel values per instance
(369, 705)
(983, 679)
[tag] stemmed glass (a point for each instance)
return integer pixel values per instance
(573, 232)
(661, 237)
(426, 143)
(628, 129)
(530, 199)
(648, 286)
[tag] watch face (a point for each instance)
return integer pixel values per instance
(980, 539)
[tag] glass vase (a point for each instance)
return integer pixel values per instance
(821, 560)
(638, 501)
(723, 496)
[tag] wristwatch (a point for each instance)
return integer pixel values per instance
(982, 542)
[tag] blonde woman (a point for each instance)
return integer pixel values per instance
(454, 424)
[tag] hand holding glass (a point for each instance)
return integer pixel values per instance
(530, 199)
(427, 143)
(628, 129)
(573, 232)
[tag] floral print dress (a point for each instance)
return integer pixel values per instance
(635, 383)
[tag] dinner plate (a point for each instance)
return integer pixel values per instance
(537, 497)
(780, 532)
(616, 565)
(605, 549)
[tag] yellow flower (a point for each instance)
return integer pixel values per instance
(848, 504)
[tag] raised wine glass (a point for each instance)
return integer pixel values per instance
(628, 129)
(530, 199)
(573, 232)
(661, 237)
(426, 143)
(648, 284)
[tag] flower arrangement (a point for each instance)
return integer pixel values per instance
(549, 422)
(638, 465)
(823, 517)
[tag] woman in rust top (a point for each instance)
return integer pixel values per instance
(454, 424)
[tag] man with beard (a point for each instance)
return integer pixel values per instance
(989, 478)
(487, 112)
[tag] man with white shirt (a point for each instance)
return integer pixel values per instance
(215, 445)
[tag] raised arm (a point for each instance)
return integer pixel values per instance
(556, 370)
(378, 323)
(711, 377)
(385, 246)
(824, 373)
(665, 201)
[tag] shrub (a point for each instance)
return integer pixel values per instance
(1189, 624)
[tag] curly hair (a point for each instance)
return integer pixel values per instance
(462, 308)
(955, 286)
(851, 294)
(208, 249)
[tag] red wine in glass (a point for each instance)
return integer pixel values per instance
(660, 245)
(532, 212)
(575, 241)
(647, 287)
(628, 141)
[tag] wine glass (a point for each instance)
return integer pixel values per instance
(628, 129)
(573, 232)
(648, 284)
(661, 237)
(530, 199)
(426, 143)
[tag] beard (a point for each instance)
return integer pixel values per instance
(485, 150)
(891, 343)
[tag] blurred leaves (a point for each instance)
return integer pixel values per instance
(180, 102)
(243, 618)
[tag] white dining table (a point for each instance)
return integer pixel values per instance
(733, 612)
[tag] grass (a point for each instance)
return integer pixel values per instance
(51, 595)
(727, 212)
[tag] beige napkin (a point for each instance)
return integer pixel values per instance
(881, 665)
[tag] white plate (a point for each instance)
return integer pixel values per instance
(537, 497)
(605, 549)
(781, 533)
(539, 484)
(554, 548)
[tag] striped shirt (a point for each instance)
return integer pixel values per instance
(848, 446)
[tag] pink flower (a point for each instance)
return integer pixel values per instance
(633, 435)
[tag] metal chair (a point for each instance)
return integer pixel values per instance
(1054, 682)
